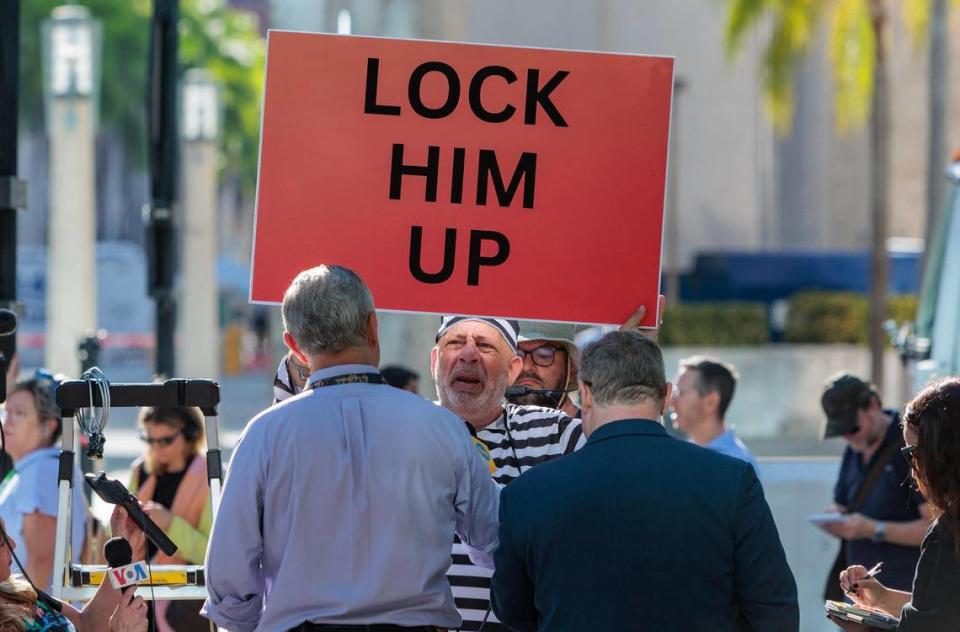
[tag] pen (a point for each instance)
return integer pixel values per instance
(873, 572)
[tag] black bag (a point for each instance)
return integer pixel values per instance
(832, 590)
(184, 616)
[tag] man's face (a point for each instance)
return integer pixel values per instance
(689, 407)
(472, 365)
(869, 429)
(552, 377)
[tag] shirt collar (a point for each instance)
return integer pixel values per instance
(628, 427)
(38, 454)
(341, 369)
(722, 439)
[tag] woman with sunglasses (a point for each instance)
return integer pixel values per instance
(23, 609)
(29, 493)
(171, 481)
(931, 433)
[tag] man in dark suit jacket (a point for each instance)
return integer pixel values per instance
(638, 530)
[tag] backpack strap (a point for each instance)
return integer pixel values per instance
(873, 474)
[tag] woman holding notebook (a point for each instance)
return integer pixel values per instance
(931, 432)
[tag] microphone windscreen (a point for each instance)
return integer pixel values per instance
(118, 552)
(8, 322)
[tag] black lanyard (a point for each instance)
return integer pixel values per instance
(350, 378)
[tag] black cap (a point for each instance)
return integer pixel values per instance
(843, 395)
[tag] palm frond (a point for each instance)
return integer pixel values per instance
(916, 16)
(742, 18)
(853, 57)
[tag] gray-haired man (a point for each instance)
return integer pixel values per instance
(333, 492)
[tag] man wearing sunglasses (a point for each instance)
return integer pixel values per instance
(550, 362)
(886, 519)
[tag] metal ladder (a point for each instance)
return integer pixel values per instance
(77, 582)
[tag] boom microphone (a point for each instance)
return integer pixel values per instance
(520, 391)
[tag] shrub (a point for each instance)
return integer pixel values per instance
(839, 317)
(722, 324)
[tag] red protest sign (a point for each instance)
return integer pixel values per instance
(465, 179)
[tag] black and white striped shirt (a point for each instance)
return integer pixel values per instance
(524, 436)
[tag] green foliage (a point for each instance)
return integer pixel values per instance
(213, 36)
(227, 43)
(123, 66)
(839, 317)
(852, 45)
(718, 324)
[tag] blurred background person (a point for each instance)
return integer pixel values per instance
(29, 492)
(171, 481)
(931, 434)
(701, 397)
(401, 377)
(885, 519)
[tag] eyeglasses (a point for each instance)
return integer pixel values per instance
(160, 442)
(544, 355)
(909, 453)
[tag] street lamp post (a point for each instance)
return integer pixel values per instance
(71, 40)
(199, 330)
(13, 191)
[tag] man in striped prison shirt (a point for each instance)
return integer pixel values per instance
(473, 362)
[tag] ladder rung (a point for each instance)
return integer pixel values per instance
(160, 575)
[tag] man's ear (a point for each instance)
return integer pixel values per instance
(516, 366)
(434, 356)
(586, 396)
(373, 335)
(667, 395)
(294, 348)
(711, 402)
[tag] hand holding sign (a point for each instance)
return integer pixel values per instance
(637, 317)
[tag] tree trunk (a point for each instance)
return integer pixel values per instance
(879, 198)
(936, 148)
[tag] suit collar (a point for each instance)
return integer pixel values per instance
(623, 427)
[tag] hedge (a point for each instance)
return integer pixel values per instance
(839, 317)
(724, 324)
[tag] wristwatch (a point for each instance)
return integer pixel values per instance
(879, 531)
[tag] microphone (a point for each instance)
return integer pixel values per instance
(521, 390)
(8, 347)
(123, 573)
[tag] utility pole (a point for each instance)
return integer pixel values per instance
(13, 191)
(936, 143)
(162, 147)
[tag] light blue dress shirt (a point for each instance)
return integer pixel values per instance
(34, 487)
(340, 506)
(730, 444)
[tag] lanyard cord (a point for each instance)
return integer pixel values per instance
(350, 378)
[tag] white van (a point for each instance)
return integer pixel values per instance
(933, 343)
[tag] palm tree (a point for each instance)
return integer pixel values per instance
(858, 55)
